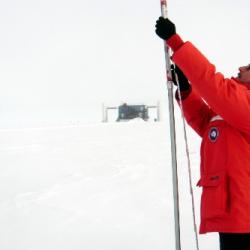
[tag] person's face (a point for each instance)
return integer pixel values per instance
(244, 74)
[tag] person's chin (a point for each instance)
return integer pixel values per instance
(238, 80)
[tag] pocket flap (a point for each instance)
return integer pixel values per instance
(211, 180)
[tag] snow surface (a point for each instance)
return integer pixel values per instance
(95, 187)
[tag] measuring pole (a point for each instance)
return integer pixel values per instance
(172, 135)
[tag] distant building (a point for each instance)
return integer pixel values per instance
(128, 112)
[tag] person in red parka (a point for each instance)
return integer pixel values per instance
(218, 109)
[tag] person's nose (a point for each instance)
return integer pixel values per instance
(242, 68)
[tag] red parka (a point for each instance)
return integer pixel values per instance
(218, 109)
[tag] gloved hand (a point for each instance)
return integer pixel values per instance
(165, 28)
(183, 81)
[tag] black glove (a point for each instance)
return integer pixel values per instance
(183, 81)
(165, 28)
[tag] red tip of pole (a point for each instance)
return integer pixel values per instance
(163, 2)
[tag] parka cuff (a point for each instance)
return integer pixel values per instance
(175, 42)
(184, 94)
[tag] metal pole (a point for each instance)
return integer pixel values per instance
(172, 135)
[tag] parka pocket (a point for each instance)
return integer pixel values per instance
(214, 199)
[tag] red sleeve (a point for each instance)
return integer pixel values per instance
(175, 42)
(226, 97)
(196, 112)
(183, 94)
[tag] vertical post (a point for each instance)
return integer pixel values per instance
(104, 113)
(158, 108)
(172, 135)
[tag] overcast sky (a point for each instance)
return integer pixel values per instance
(60, 60)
